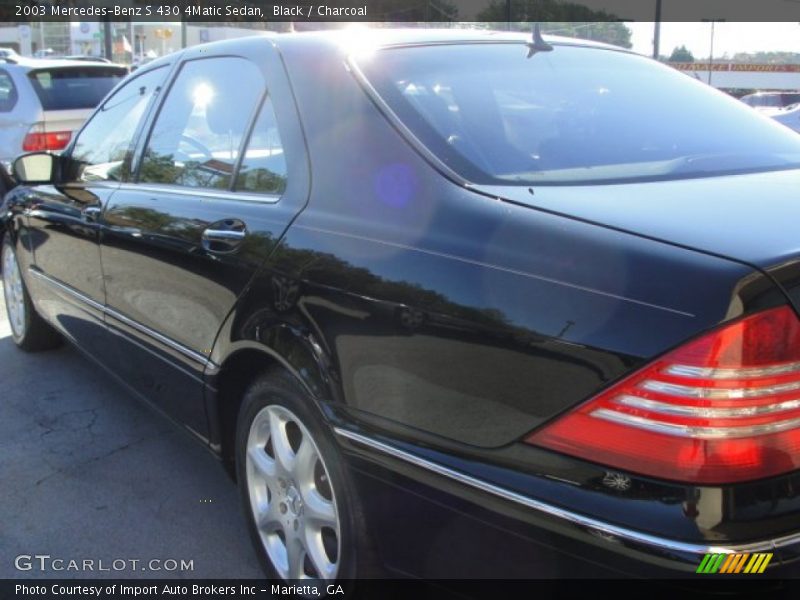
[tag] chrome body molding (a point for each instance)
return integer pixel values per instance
(595, 526)
(110, 312)
(65, 288)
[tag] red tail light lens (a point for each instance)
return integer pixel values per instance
(723, 408)
(37, 141)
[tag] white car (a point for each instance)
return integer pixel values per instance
(43, 102)
(789, 116)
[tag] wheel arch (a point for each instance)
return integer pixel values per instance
(243, 363)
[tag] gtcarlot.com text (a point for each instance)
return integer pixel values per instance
(47, 563)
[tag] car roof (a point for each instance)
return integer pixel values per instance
(425, 36)
(342, 40)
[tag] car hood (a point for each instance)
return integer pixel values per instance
(752, 218)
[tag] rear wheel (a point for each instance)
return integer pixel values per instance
(28, 330)
(298, 501)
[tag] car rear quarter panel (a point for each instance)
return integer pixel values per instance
(427, 309)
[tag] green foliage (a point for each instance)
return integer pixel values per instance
(681, 54)
(766, 58)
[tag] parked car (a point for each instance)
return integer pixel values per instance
(9, 54)
(88, 58)
(770, 101)
(446, 303)
(789, 116)
(43, 102)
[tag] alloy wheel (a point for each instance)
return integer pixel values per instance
(292, 497)
(13, 291)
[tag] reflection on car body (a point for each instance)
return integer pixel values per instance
(432, 288)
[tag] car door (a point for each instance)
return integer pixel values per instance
(219, 177)
(63, 218)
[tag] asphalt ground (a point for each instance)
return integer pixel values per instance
(89, 473)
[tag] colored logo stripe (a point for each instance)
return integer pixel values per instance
(734, 563)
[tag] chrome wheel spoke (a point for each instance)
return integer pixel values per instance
(296, 553)
(304, 462)
(262, 463)
(284, 455)
(268, 517)
(320, 511)
(315, 549)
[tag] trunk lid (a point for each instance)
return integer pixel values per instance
(750, 218)
(65, 120)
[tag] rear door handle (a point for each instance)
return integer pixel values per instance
(224, 236)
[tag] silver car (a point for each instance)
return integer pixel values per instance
(789, 116)
(43, 102)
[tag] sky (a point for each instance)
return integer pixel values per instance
(729, 37)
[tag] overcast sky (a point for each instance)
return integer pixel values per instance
(730, 37)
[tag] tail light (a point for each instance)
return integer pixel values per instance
(38, 140)
(723, 408)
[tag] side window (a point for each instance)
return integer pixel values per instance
(263, 167)
(103, 144)
(199, 131)
(8, 92)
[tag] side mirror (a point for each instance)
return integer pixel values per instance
(33, 168)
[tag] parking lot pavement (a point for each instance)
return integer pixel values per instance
(87, 472)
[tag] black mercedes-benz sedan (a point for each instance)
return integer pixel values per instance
(446, 303)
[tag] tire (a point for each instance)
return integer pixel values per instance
(308, 510)
(29, 330)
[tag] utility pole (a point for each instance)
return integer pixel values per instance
(108, 42)
(711, 50)
(657, 31)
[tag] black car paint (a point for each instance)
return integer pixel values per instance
(441, 319)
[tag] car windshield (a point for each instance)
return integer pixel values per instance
(65, 88)
(572, 115)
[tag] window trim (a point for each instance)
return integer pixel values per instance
(14, 89)
(230, 192)
(240, 159)
(143, 121)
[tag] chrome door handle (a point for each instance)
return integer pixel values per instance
(92, 213)
(224, 237)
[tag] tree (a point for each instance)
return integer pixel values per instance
(681, 54)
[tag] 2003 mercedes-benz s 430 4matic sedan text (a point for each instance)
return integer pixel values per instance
(458, 304)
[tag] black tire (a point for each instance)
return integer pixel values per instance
(35, 334)
(278, 388)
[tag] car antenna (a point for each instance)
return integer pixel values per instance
(538, 44)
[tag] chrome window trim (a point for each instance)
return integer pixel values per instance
(108, 311)
(590, 523)
(156, 188)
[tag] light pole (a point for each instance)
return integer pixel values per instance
(711, 51)
(657, 31)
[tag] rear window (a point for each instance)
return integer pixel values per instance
(8, 92)
(67, 88)
(572, 115)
